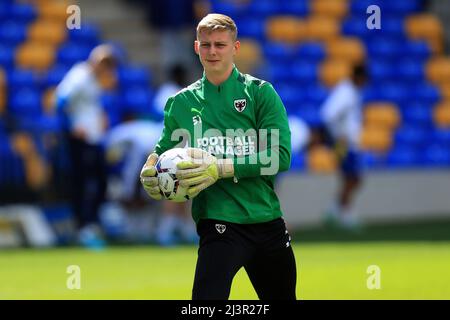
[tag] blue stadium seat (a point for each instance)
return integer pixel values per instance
(392, 27)
(436, 155)
(311, 51)
(263, 8)
(393, 91)
(359, 7)
(25, 102)
(424, 92)
(384, 48)
(6, 56)
(402, 7)
(12, 32)
(18, 78)
(133, 76)
(111, 105)
(371, 160)
(294, 7)
(309, 113)
(411, 135)
(4, 9)
(403, 156)
(418, 114)
(137, 100)
(298, 161)
(71, 53)
(397, 8)
(304, 72)
(417, 50)
(39, 124)
(280, 71)
(442, 136)
(380, 70)
(251, 27)
(409, 70)
(2, 128)
(370, 92)
(277, 51)
(88, 34)
(54, 75)
(23, 12)
(230, 8)
(355, 26)
(291, 96)
(317, 94)
(12, 171)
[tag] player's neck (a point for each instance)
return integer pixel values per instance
(218, 78)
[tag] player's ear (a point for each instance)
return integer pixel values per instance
(196, 46)
(237, 46)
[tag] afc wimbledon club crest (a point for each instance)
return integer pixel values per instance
(220, 228)
(240, 104)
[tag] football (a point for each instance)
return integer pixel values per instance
(166, 168)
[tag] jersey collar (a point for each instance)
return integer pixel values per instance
(233, 76)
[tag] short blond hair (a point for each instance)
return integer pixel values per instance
(217, 21)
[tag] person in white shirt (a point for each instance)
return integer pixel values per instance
(78, 98)
(175, 217)
(341, 117)
(132, 140)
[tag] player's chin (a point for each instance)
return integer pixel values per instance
(214, 65)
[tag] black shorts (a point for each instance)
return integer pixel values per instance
(263, 249)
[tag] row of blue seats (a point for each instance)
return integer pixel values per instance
(409, 135)
(67, 54)
(20, 12)
(27, 101)
(387, 7)
(432, 155)
(13, 32)
(403, 157)
(353, 25)
(416, 115)
(261, 8)
(416, 100)
(266, 8)
(128, 76)
(400, 93)
(381, 48)
(408, 71)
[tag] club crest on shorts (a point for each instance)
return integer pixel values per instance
(240, 104)
(220, 228)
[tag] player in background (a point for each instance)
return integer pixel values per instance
(341, 116)
(78, 98)
(236, 209)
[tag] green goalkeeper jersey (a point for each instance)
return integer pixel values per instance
(242, 118)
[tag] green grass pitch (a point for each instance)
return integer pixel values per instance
(409, 270)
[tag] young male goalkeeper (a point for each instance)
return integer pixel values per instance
(235, 207)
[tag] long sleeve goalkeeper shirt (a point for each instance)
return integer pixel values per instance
(243, 118)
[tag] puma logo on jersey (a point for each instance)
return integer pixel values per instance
(220, 228)
(194, 110)
(197, 118)
(240, 104)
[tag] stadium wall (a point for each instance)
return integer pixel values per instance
(385, 197)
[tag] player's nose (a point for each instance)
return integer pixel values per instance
(212, 51)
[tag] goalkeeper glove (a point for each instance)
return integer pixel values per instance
(202, 171)
(148, 177)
